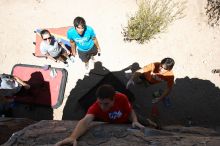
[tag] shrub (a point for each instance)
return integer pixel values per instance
(213, 12)
(152, 17)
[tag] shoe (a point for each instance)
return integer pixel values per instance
(93, 59)
(167, 102)
(87, 66)
(66, 64)
(53, 73)
(46, 67)
(157, 93)
(72, 59)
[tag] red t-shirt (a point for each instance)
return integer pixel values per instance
(119, 112)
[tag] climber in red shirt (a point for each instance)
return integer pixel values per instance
(111, 106)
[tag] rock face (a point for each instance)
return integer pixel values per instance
(49, 132)
(11, 125)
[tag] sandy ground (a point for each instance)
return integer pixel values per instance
(190, 41)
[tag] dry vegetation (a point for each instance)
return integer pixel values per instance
(151, 18)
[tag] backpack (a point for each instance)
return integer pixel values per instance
(5, 76)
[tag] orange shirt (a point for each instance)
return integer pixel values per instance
(157, 77)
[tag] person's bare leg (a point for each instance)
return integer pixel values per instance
(63, 59)
(65, 55)
(60, 58)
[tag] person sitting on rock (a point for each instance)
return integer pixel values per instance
(110, 106)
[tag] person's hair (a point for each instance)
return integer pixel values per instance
(79, 21)
(44, 31)
(168, 63)
(105, 91)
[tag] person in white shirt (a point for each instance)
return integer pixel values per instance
(53, 48)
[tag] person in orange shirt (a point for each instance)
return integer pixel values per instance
(155, 73)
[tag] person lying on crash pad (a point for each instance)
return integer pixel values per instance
(11, 85)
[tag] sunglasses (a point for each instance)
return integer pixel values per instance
(47, 38)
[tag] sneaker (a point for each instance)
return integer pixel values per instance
(93, 59)
(46, 67)
(87, 70)
(87, 66)
(53, 73)
(72, 59)
(66, 64)
(167, 102)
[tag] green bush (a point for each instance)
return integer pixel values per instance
(152, 17)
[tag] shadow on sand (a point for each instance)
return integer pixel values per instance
(83, 95)
(193, 99)
(26, 102)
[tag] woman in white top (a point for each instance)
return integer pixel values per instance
(54, 48)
